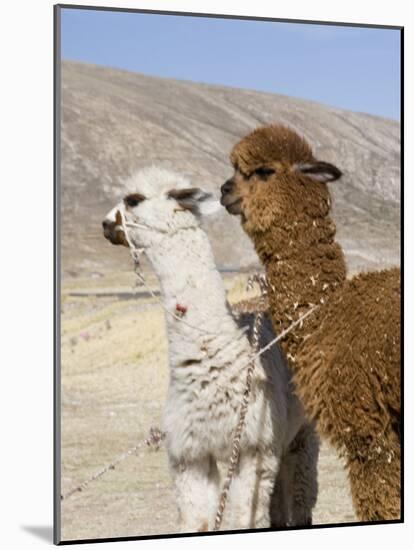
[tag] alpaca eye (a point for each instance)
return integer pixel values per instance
(264, 172)
(133, 200)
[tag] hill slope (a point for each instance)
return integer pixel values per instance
(115, 121)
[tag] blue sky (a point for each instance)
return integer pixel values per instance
(347, 67)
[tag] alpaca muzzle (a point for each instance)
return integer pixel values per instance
(229, 199)
(113, 230)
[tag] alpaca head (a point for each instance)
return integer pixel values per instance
(156, 203)
(276, 180)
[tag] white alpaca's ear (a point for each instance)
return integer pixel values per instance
(319, 171)
(198, 201)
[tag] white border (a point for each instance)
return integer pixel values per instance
(27, 280)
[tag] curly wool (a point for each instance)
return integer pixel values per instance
(346, 356)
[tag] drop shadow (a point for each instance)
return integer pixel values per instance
(43, 532)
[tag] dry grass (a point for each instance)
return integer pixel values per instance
(114, 382)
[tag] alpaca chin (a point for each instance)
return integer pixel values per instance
(233, 207)
(115, 235)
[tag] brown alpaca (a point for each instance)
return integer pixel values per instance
(346, 354)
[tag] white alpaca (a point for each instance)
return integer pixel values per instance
(207, 356)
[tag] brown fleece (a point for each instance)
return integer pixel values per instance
(346, 355)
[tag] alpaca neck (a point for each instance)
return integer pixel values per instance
(185, 266)
(304, 266)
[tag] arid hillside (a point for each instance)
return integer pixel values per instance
(115, 121)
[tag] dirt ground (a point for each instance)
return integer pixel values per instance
(114, 380)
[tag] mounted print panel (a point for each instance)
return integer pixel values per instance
(228, 327)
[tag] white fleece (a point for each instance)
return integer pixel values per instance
(207, 380)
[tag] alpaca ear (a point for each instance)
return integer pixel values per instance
(198, 201)
(319, 171)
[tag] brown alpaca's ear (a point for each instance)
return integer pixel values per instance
(319, 171)
(198, 201)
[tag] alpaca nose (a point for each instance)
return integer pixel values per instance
(227, 187)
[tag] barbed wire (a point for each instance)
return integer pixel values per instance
(236, 446)
(155, 439)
